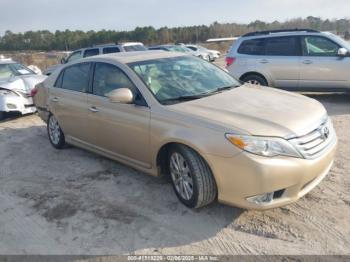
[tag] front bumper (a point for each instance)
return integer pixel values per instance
(17, 103)
(247, 175)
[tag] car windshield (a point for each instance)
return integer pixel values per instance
(13, 69)
(130, 48)
(341, 41)
(176, 79)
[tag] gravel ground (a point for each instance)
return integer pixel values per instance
(75, 202)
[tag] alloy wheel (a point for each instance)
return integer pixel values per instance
(54, 130)
(181, 176)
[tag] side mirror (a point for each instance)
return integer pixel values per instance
(63, 60)
(343, 52)
(121, 95)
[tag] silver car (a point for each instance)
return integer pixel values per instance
(304, 60)
(16, 85)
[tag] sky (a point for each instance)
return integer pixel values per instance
(22, 15)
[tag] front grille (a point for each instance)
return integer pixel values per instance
(316, 141)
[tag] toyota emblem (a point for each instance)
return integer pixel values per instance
(324, 132)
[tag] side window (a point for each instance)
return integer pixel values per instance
(107, 78)
(192, 48)
(319, 46)
(109, 50)
(91, 52)
(76, 77)
(282, 46)
(252, 47)
(74, 56)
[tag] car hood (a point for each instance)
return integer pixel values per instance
(23, 84)
(260, 111)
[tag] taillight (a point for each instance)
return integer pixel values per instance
(34, 91)
(230, 60)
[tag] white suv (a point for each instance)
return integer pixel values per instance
(97, 50)
(302, 59)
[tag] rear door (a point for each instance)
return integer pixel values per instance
(68, 100)
(120, 129)
(321, 67)
(281, 61)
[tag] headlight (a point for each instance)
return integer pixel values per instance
(4, 92)
(264, 146)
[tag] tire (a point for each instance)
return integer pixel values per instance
(55, 133)
(255, 80)
(2, 115)
(195, 174)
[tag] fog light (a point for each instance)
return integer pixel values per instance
(261, 199)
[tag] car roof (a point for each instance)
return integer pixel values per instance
(130, 57)
(7, 61)
(256, 35)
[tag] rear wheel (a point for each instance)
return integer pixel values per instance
(191, 177)
(254, 80)
(55, 133)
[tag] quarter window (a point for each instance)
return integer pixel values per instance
(76, 77)
(108, 78)
(319, 46)
(91, 52)
(282, 46)
(252, 47)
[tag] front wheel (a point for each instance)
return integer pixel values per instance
(191, 177)
(55, 133)
(254, 80)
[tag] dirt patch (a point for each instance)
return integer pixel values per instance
(61, 211)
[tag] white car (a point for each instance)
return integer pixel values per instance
(214, 54)
(16, 84)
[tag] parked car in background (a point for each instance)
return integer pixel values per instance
(168, 113)
(16, 84)
(306, 60)
(183, 49)
(98, 50)
(213, 54)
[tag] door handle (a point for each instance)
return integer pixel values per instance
(55, 99)
(93, 109)
(264, 61)
(307, 62)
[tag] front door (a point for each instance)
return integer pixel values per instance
(321, 67)
(120, 129)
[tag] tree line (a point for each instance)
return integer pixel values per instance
(45, 40)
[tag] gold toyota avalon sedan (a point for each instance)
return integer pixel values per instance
(177, 115)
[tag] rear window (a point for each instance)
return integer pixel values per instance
(76, 77)
(109, 50)
(282, 46)
(252, 47)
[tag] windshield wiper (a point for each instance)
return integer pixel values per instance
(184, 98)
(198, 96)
